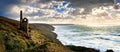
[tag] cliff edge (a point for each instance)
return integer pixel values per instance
(42, 38)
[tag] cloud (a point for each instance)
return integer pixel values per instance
(51, 10)
(42, 10)
(4, 4)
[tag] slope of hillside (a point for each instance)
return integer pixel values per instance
(46, 30)
(13, 40)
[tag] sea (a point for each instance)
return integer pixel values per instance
(100, 38)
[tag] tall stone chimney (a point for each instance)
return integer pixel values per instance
(24, 25)
(21, 15)
(21, 18)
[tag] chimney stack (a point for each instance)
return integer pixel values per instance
(21, 18)
(21, 15)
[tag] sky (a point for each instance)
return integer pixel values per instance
(4, 4)
(45, 10)
(34, 8)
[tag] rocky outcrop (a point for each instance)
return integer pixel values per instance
(81, 49)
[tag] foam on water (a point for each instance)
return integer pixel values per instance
(101, 38)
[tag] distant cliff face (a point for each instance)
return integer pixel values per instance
(42, 39)
(47, 31)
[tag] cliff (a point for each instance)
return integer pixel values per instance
(46, 30)
(42, 38)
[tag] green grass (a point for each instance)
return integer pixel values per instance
(14, 40)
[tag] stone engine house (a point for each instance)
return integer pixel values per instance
(24, 26)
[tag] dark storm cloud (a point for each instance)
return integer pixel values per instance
(43, 8)
(5, 4)
(43, 1)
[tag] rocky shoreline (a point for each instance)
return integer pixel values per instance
(84, 49)
(81, 49)
(71, 47)
(51, 35)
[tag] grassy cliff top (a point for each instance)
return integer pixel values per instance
(13, 40)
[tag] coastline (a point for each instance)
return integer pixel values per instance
(53, 37)
(13, 35)
(69, 39)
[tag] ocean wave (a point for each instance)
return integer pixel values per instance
(98, 38)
